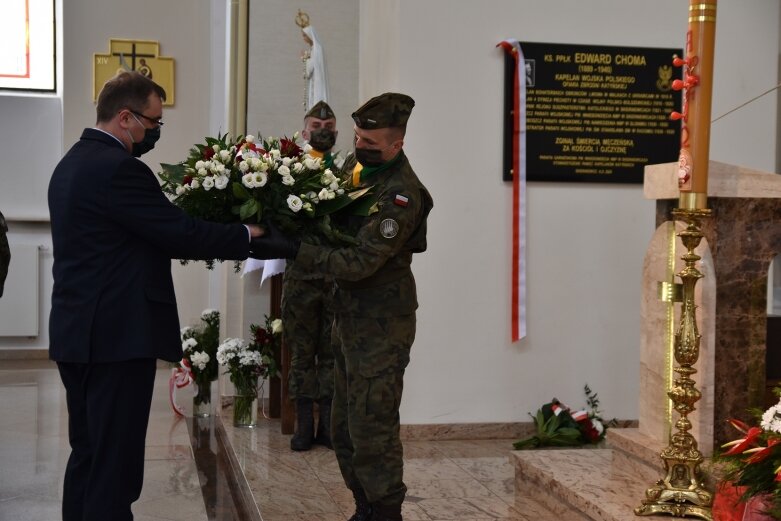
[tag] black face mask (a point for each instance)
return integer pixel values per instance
(369, 156)
(151, 135)
(322, 139)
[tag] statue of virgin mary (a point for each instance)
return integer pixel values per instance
(315, 71)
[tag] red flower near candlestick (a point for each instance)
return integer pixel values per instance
(754, 461)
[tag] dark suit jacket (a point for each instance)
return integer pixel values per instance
(114, 235)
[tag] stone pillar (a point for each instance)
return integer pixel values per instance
(743, 236)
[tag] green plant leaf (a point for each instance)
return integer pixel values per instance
(248, 209)
(240, 192)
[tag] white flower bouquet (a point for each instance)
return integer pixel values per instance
(252, 181)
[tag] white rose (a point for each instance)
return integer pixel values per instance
(199, 164)
(254, 163)
(340, 191)
(219, 168)
(243, 166)
(221, 182)
(202, 172)
(334, 186)
(250, 138)
(276, 326)
(294, 202)
(275, 153)
(297, 167)
(284, 170)
(216, 148)
(208, 183)
(246, 180)
(262, 166)
(224, 155)
(195, 183)
(286, 161)
(288, 180)
(323, 195)
(180, 190)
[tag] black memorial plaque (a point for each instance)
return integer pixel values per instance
(594, 113)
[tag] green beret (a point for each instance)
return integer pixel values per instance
(386, 110)
(321, 110)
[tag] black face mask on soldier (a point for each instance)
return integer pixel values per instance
(147, 143)
(369, 156)
(322, 139)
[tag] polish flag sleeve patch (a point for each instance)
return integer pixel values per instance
(400, 200)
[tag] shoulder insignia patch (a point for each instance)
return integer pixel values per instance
(389, 228)
(401, 200)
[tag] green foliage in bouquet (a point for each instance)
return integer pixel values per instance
(557, 426)
(250, 181)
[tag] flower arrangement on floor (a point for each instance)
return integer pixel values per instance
(246, 362)
(558, 426)
(250, 181)
(753, 462)
(199, 362)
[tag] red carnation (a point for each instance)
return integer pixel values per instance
(187, 179)
(208, 153)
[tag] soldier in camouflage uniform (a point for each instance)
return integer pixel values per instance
(5, 253)
(307, 315)
(374, 303)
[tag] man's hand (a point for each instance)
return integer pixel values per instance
(274, 244)
(255, 230)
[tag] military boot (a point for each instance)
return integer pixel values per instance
(323, 436)
(386, 513)
(363, 510)
(305, 428)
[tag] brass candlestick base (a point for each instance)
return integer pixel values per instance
(681, 492)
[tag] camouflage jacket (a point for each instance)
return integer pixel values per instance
(374, 278)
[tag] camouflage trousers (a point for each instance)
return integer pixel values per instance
(371, 355)
(307, 316)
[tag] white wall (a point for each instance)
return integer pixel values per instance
(195, 38)
(585, 242)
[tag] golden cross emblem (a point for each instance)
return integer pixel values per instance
(142, 56)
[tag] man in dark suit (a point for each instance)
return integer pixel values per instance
(113, 304)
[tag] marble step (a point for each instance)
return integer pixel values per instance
(584, 484)
(632, 443)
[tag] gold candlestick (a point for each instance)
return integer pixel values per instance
(681, 492)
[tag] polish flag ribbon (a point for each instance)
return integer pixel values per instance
(181, 376)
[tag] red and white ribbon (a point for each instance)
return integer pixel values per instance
(518, 304)
(181, 376)
(580, 416)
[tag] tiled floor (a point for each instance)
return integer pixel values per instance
(185, 474)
